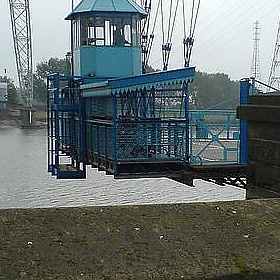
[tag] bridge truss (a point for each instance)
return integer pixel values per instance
(21, 28)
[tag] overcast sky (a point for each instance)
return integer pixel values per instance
(223, 35)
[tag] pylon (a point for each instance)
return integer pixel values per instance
(274, 76)
(255, 69)
(21, 28)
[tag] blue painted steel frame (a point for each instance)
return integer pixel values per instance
(211, 133)
(244, 100)
(140, 96)
(187, 107)
(114, 110)
(56, 120)
(56, 136)
(69, 130)
(152, 78)
(136, 88)
(49, 130)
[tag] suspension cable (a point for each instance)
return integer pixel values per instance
(195, 20)
(173, 25)
(184, 18)
(167, 44)
(151, 38)
(168, 30)
(192, 17)
(147, 6)
(148, 39)
(162, 22)
(189, 41)
(144, 33)
(169, 20)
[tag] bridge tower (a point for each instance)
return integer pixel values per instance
(255, 69)
(274, 76)
(21, 28)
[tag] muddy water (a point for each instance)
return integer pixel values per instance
(24, 181)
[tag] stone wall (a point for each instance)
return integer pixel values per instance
(263, 114)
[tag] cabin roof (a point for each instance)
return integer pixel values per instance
(110, 6)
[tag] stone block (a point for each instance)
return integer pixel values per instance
(250, 112)
(264, 130)
(264, 151)
(263, 116)
(266, 176)
(265, 100)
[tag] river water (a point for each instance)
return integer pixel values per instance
(25, 183)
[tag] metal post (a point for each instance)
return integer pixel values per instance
(57, 131)
(82, 130)
(244, 100)
(72, 41)
(254, 87)
(187, 116)
(115, 147)
(48, 125)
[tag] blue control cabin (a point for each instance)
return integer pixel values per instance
(106, 38)
(108, 114)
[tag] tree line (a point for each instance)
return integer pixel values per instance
(207, 91)
(43, 69)
(214, 91)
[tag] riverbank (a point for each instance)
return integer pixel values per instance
(8, 119)
(11, 118)
(224, 240)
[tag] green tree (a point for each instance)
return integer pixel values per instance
(52, 65)
(39, 88)
(214, 91)
(43, 69)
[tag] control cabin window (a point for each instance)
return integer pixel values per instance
(105, 31)
(122, 32)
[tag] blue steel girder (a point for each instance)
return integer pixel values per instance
(152, 79)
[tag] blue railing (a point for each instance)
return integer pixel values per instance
(119, 127)
(214, 137)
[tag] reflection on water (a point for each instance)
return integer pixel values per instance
(26, 183)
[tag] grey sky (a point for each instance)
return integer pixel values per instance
(223, 35)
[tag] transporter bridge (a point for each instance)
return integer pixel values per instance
(112, 115)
